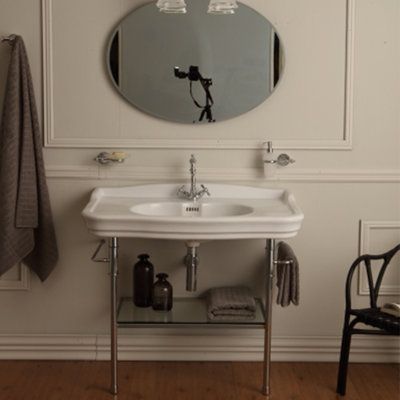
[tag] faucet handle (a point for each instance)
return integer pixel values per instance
(181, 192)
(205, 190)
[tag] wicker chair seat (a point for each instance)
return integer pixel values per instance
(378, 319)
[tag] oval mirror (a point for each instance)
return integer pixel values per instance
(195, 67)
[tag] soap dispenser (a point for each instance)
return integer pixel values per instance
(269, 161)
(143, 278)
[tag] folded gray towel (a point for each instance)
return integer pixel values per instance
(26, 223)
(288, 276)
(230, 304)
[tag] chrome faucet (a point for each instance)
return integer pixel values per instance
(195, 193)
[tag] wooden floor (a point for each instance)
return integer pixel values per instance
(76, 380)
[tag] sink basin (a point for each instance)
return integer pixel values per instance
(190, 209)
(231, 212)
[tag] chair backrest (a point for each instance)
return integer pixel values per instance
(374, 287)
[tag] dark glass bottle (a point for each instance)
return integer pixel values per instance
(162, 293)
(143, 278)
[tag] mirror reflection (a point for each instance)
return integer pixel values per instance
(195, 67)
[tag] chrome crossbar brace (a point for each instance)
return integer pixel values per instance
(99, 260)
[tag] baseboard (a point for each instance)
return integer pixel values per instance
(48, 347)
(194, 346)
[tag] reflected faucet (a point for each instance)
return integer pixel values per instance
(195, 193)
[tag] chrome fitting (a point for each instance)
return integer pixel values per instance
(191, 261)
(283, 160)
(105, 158)
(194, 193)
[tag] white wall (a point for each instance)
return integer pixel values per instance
(347, 170)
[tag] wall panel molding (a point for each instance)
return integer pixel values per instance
(22, 283)
(51, 140)
(47, 72)
(196, 346)
(254, 175)
(72, 172)
(366, 227)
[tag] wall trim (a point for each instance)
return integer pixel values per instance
(23, 283)
(47, 73)
(196, 346)
(72, 172)
(157, 174)
(50, 139)
(365, 244)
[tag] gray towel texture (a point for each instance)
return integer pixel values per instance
(230, 304)
(26, 224)
(288, 276)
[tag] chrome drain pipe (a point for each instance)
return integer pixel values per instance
(191, 261)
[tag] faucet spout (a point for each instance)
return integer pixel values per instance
(192, 174)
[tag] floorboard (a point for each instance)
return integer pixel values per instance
(89, 380)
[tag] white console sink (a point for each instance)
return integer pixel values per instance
(155, 211)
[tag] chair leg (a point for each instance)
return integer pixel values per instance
(344, 360)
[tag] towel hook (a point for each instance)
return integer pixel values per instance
(9, 39)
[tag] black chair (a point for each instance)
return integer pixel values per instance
(386, 323)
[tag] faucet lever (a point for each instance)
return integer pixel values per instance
(205, 190)
(182, 192)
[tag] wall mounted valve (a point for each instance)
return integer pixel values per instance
(283, 159)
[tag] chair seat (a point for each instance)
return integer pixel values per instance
(378, 319)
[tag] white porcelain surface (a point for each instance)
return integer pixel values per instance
(231, 212)
(188, 209)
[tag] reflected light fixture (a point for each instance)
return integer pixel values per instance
(222, 7)
(172, 6)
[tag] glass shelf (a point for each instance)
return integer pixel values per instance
(185, 311)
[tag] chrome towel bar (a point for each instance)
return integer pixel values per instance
(283, 262)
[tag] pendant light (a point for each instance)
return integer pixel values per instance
(172, 6)
(222, 7)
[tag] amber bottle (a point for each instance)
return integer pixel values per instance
(143, 278)
(162, 293)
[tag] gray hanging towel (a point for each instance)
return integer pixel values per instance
(26, 224)
(288, 276)
(230, 304)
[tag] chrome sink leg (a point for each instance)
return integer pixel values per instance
(113, 328)
(270, 258)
